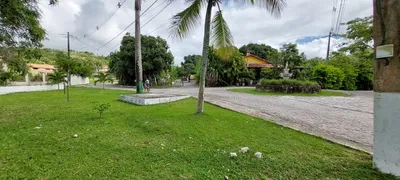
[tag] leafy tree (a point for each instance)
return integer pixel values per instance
(20, 24)
(103, 78)
(289, 53)
(328, 77)
(156, 58)
(189, 65)
(58, 77)
(185, 21)
(226, 72)
(261, 50)
(360, 34)
(72, 66)
(308, 67)
(347, 64)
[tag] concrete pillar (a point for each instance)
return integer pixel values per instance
(27, 78)
(44, 78)
(387, 88)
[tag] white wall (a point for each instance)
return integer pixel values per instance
(387, 132)
(77, 80)
(14, 89)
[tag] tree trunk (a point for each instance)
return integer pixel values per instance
(387, 87)
(203, 70)
(58, 86)
(138, 49)
(68, 84)
(103, 85)
(64, 86)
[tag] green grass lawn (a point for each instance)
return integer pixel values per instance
(166, 141)
(322, 93)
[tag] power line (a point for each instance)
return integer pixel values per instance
(127, 26)
(157, 13)
(120, 3)
(159, 27)
(334, 9)
(340, 16)
(76, 38)
(116, 46)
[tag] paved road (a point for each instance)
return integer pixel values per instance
(346, 120)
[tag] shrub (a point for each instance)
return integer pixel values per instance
(288, 86)
(348, 65)
(270, 73)
(328, 77)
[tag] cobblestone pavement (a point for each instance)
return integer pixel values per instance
(346, 120)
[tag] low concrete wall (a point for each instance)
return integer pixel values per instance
(77, 80)
(14, 89)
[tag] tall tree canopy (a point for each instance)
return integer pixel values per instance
(290, 54)
(156, 58)
(190, 65)
(261, 50)
(360, 35)
(19, 23)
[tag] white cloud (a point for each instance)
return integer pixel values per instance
(299, 19)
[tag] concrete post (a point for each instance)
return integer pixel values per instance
(44, 78)
(27, 78)
(387, 88)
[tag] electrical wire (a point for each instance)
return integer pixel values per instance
(157, 14)
(120, 3)
(127, 26)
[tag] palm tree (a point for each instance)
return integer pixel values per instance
(185, 21)
(58, 77)
(103, 78)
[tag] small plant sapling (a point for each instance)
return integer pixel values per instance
(100, 108)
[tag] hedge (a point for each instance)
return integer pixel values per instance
(288, 86)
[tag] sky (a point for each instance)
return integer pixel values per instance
(304, 22)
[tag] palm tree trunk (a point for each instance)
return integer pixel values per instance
(138, 49)
(203, 70)
(58, 86)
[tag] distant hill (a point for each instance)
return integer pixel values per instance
(49, 56)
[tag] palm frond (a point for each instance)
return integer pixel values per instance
(275, 7)
(221, 36)
(185, 21)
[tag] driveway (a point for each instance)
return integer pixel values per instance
(346, 120)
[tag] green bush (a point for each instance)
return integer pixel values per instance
(287, 82)
(348, 65)
(328, 77)
(270, 73)
(288, 86)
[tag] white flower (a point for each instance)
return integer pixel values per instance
(162, 145)
(38, 127)
(258, 155)
(244, 150)
(75, 135)
(232, 154)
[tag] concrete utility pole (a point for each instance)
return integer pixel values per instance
(138, 49)
(387, 86)
(69, 73)
(329, 46)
